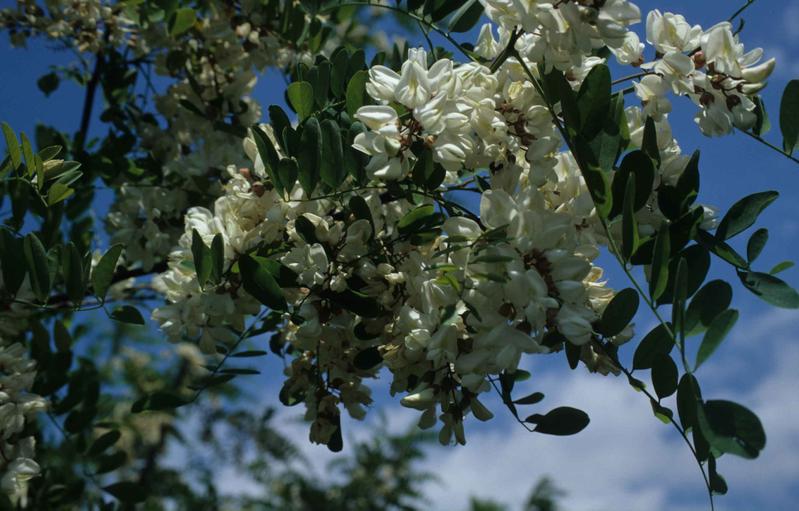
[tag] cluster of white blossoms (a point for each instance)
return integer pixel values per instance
(18, 405)
(709, 66)
(445, 298)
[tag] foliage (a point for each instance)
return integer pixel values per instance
(336, 231)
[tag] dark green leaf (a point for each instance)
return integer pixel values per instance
(261, 284)
(649, 143)
(789, 116)
(780, 267)
(12, 257)
(48, 83)
(356, 92)
(127, 314)
(332, 154)
(309, 159)
(103, 273)
(127, 491)
(535, 397)
(770, 289)
(38, 266)
(158, 401)
(716, 333)
(217, 258)
(103, 442)
(655, 343)
(710, 301)
(744, 213)
(202, 258)
(562, 421)
(13, 145)
(630, 237)
(659, 272)
(619, 312)
(181, 21)
(688, 396)
(301, 99)
(756, 244)
(466, 17)
(664, 375)
(731, 428)
(593, 100)
(368, 358)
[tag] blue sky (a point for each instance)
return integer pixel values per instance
(625, 459)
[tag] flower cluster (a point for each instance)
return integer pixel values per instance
(446, 298)
(709, 66)
(18, 406)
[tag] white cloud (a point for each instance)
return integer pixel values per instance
(625, 459)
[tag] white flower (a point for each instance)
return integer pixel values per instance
(671, 32)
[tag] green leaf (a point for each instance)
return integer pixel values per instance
(639, 165)
(301, 99)
(103, 442)
(659, 271)
(789, 116)
(127, 491)
(619, 312)
(656, 342)
(534, 398)
(415, 219)
(158, 401)
(780, 267)
(715, 334)
(38, 266)
(72, 269)
(762, 124)
(559, 90)
(306, 229)
(110, 462)
(249, 354)
(664, 375)
(261, 284)
(309, 160)
(359, 303)
(649, 142)
(13, 146)
(201, 255)
(593, 100)
(710, 301)
(596, 179)
(744, 213)
(721, 249)
(269, 157)
(48, 83)
(217, 259)
(770, 289)
(687, 188)
(127, 314)
(630, 237)
(562, 421)
(688, 396)
(58, 192)
(368, 358)
(103, 274)
(679, 296)
(356, 92)
(756, 244)
(181, 21)
(731, 428)
(331, 170)
(466, 17)
(12, 257)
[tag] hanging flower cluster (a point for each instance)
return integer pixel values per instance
(445, 298)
